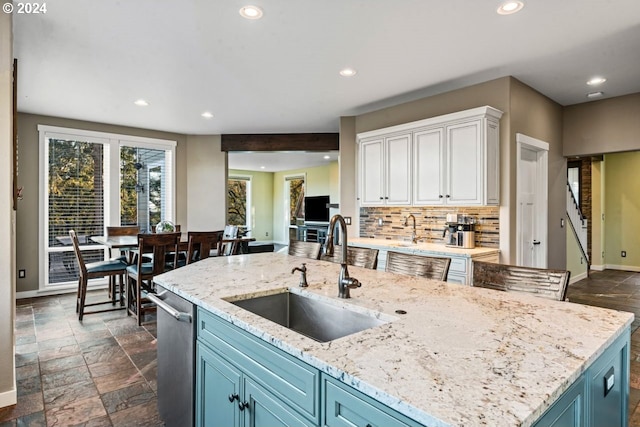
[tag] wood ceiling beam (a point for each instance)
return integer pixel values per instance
(281, 142)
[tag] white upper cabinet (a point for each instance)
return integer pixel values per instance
(447, 160)
(385, 172)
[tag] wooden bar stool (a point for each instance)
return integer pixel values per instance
(95, 270)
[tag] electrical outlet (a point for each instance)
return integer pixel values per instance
(22, 274)
(623, 254)
(347, 220)
(266, 234)
(380, 222)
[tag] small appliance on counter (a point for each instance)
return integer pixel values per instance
(462, 231)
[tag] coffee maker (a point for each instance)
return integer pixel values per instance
(452, 229)
(462, 231)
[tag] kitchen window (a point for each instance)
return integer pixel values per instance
(87, 183)
(239, 201)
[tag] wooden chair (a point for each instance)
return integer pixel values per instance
(96, 270)
(229, 243)
(540, 282)
(356, 256)
(125, 230)
(140, 275)
(201, 243)
(305, 249)
(436, 268)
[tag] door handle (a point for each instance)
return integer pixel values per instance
(536, 242)
(179, 316)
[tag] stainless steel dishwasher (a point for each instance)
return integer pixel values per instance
(176, 358)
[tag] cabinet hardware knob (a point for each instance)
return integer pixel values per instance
(535, 242)
(448, 195)
(440, 196)
(381, 197)
(243, 405)
(233, 397)
(387, 198)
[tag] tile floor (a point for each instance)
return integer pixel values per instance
(102, 372)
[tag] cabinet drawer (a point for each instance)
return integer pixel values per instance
(458, 265)
(295, 382)
(346, 407)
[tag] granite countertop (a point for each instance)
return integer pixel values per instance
(407, 246)
(460, 355)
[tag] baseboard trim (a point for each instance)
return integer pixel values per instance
(577, 277)
(10, 397)
(50, 292)
(597, 267)
(622, 267)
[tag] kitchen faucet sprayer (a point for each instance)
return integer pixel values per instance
(344, 281)
(414, 236)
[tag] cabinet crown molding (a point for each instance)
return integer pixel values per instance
(485, 111)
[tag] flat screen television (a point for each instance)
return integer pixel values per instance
(316, 209)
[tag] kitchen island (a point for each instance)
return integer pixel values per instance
(457, 356)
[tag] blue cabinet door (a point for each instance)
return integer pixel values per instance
(217, 390)
(262, 409)
(568, 411)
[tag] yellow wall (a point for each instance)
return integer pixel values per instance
(597, 206)
(622, 209)
(319, 182)
(261, 202)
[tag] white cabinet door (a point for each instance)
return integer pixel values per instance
(398, 170)
(372, 172)
(428, 167)
(464, 164)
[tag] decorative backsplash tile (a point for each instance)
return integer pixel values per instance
(430, 223)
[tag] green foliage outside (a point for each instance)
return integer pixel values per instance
(237, 202)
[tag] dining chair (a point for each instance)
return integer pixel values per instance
(305, 249)
(201, 243)
(436, 268)
(140, 275)
(229, 243)
(95, 270)
(551, 284)
(125, 230)
(356, 256)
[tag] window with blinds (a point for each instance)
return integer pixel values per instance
(87, 178)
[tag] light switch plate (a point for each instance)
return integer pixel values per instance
(609, 381)
(347, 220)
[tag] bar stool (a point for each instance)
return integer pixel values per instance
(95, 270)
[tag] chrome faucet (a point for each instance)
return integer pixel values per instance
(414, 236)
(303, 274)
(344, 281)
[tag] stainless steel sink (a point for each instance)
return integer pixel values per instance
(316, 319)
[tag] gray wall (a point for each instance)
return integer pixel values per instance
(7, 217)
(28, 208)
(606, 126)
(525, 111)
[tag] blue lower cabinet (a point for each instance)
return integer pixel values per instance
(263, 409)
(347, 407)
(217, 390)
(568, 411)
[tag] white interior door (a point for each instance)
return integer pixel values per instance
(532, 196)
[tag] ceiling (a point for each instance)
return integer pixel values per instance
(91, 60)
(269, 161)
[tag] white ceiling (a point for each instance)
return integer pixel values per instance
(91, 59)
(269, 161)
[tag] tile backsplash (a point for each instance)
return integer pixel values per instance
(430, 223)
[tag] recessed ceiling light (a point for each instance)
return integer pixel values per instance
(261, 167)
(348, 72)
(207, 115)
(251, 12)
(595, 95)
(327, 157)
(595, 81)
(141, 103)
(510, 7)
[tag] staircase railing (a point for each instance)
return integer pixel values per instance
(578, 222)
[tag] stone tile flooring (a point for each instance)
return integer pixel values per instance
(98, 372)
(102, 372)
